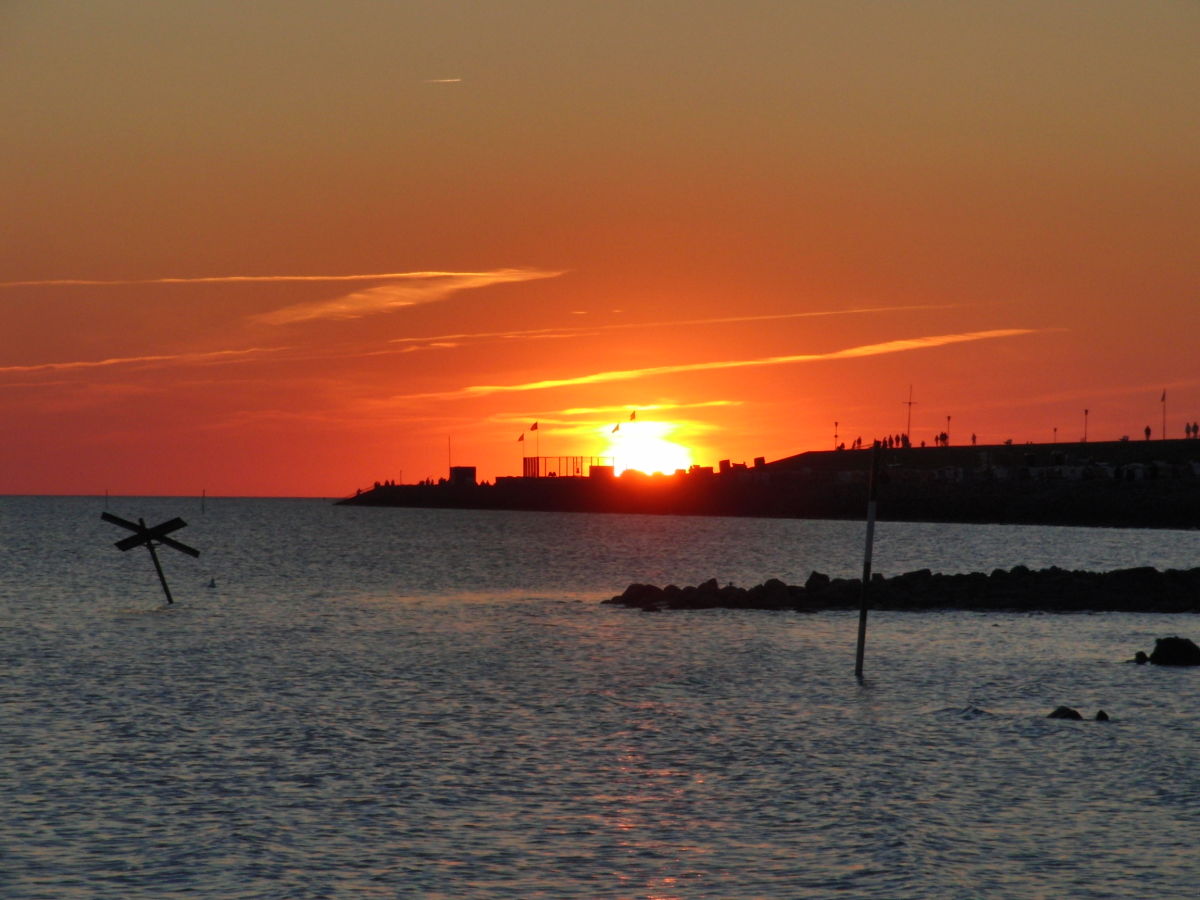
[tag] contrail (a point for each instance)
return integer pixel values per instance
(395, 290)
(617, 326)
(896, 346)
(412, 290)
(209, 356)
(278, 279)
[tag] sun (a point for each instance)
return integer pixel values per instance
(643, 446)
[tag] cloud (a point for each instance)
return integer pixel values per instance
(249, 279)
(442, 81)
(617, 326)
(641, 408)
(409, 289)
(484, 335)
(897, 346)
(398, 289)
(186, 358)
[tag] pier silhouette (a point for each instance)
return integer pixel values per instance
(1112, 483)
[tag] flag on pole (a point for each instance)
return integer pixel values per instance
(633, 415)
(616, 428)
(533, 427)
(521, 438)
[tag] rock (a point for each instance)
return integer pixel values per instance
(1065, 712)
(1132, 590)
(639, 595)
(1141, 658)
(1101, 716)
(1175, 651)
(816, 582)
(773, 594)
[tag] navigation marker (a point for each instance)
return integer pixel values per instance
(150, 537)
(872, 493)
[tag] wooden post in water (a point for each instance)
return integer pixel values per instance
(872, 487)
(157, 565)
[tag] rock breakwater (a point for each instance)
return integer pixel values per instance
(1144, 589)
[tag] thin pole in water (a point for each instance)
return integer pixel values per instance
(157, 565)
(866, 576)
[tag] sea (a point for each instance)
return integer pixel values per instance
(349, 702)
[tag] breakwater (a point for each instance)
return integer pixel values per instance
(1165, 503)
(1141, 590)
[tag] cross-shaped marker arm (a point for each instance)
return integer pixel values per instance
(142, 534)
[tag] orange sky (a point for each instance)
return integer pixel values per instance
(290, 248)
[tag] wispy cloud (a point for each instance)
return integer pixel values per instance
(487, 335)
(641, 408)
(254, 279)
(622, 326)
(394, 290)
(211, 356)
(897, 346)
(442, 81)
(405, 290)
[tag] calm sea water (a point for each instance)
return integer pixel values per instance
(433, 703)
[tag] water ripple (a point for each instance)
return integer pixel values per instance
(340, 739)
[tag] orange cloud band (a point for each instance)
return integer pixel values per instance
(281, 279)
(898, 346)
(410, 290)
(199, 358)
(611, 326)
(399, 289)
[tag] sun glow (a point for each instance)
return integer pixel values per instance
(643, 446)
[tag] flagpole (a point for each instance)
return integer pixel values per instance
(537, 449)
(1164, 414)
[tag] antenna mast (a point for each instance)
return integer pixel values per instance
(909, 403)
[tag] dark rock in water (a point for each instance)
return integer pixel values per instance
(1065, 712)
(1049, 590)
(773, 594)
(642, 596)
(1175, 651)
(1101, 716)
(1141, 658)
(816, 582)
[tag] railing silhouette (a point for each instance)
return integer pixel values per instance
(562, 466)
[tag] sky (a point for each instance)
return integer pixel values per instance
(294, 248)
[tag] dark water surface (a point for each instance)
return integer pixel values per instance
(432, 703)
